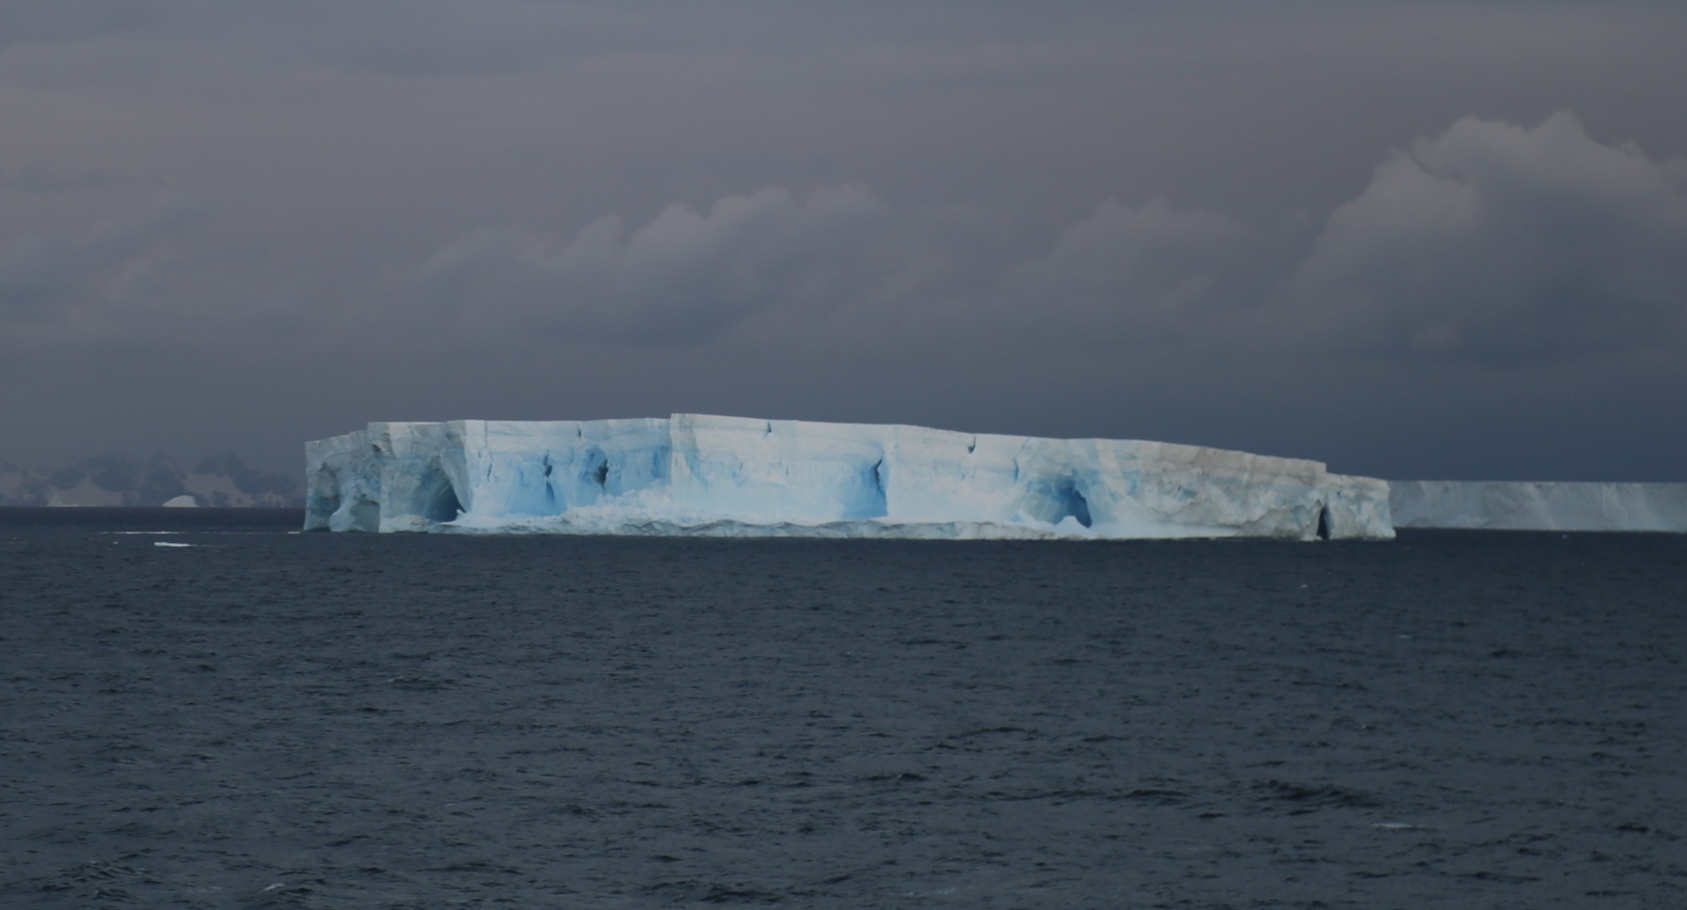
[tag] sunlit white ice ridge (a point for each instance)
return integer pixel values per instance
(692, 474)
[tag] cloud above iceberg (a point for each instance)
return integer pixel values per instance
(686, 275)
(1128, 273)
(1087, 220)
(1497, 244)
(1491, 244)
(52, 277)
(843, 253)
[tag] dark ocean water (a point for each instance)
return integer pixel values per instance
(273, 720)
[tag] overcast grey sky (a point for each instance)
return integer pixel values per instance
(1410, 239)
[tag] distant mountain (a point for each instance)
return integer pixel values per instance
(116, 479)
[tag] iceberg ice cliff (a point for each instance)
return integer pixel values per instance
(693, 474)
(1539, 505)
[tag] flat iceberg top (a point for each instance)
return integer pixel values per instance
(735, 476)
(1539, 505)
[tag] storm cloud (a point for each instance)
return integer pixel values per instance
(1411, 239)
(683, 276)
(91, 276)
(1491, 243)
(1504, 245)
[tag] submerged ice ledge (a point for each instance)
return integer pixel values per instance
(701, 475)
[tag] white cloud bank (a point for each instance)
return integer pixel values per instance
(688, 275)
(685, 275)
(1505, 245)
(1491, 243)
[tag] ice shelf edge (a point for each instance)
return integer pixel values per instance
(1539, 505)
(704, 475)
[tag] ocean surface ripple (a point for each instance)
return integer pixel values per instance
(269, 720)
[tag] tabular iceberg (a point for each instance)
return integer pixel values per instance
(1539, 505)
(693, 474)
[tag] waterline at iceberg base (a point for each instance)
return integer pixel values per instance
(693, 474)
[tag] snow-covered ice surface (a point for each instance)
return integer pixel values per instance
(1538, 505)
(694, 474)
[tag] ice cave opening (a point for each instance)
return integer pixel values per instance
(442, 503)
(1071, 503)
